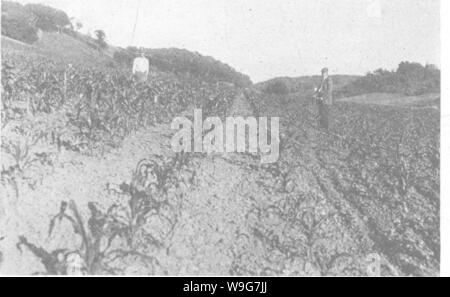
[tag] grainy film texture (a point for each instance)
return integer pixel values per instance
(230, 138)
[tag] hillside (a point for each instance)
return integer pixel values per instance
(60, 47)
(64, 47)
(186, 63)
(43, 30)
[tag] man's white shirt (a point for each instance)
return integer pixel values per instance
(141, 64)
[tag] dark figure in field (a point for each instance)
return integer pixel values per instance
(324, 96)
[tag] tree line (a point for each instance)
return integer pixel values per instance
(410, 79)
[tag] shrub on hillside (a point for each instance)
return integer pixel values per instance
(17, 22)
(411, 79)
(101, 39)
(19, 30)
(418, 79)
(48, 18)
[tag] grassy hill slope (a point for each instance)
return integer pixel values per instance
(60, 47)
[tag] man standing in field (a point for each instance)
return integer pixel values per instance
(324, 95)
(141, 67)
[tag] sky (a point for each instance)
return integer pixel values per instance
(267, 38)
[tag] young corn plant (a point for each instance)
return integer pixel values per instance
(149, 195)
(96, 252)
(20, 149)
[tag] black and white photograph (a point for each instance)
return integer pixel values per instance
(221, 139)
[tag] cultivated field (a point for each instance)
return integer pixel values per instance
(90, 185)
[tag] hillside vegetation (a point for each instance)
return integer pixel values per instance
(410, 79)
(186, 63)
(23, 22)
(50, 32)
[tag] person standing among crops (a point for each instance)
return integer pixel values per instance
(141, 67)
(324, 95)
